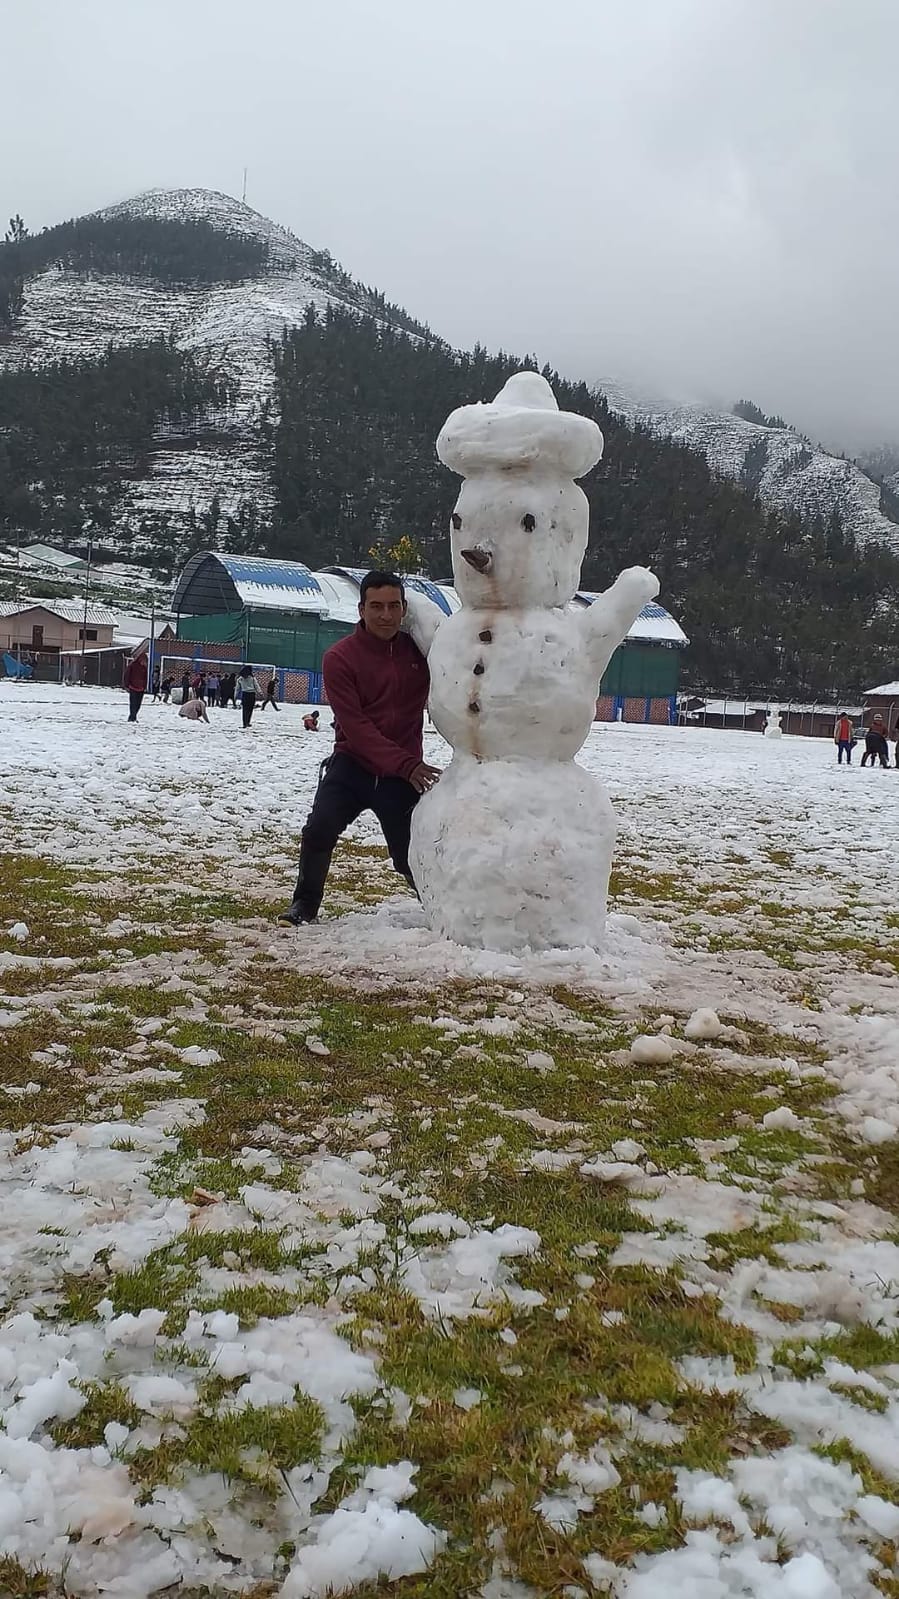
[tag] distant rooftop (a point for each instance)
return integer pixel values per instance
(66, 610)
(51, 557)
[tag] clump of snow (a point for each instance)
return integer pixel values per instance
(651, 1049)
(455, 1283)
(704, 1023)
(876, 1130)
(19, 931)
(782, 1119)
(366, 1538)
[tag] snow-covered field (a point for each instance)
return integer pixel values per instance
(342, 1257)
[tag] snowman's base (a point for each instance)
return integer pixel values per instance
(774, 732)
(514, 855)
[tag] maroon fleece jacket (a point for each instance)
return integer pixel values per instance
(136, 675)
(378, 693)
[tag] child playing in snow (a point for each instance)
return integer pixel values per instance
(194, 709)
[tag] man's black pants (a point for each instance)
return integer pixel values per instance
(344, 792)
(135, 701)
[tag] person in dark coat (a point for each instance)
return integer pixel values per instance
(876, 746)
(135, 681)
(377, 684)
(185, 688)
(270, 690)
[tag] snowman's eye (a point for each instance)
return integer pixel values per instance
(456, 520)
(528, 522)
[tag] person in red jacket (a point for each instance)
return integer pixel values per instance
(377, 685)
(136, 683)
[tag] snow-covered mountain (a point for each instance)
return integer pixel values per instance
(72, 313)
(787, 470)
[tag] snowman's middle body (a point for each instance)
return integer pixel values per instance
(512, 683)
(512, 849)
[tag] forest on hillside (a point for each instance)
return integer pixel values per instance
(771, 603)
(171, 250)
(73, 433)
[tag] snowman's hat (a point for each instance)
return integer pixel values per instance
(522, 427)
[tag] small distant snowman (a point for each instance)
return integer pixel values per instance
(773, 728)
(512, 849)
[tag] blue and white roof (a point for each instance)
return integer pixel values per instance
(277, 585)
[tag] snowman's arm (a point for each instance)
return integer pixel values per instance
(421, 620)
(607, 621)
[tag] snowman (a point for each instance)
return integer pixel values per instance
(773, 728)
(512, 849)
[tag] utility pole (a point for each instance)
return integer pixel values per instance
(244, 195)
(18, 602)
(152, 662)
(87, 590)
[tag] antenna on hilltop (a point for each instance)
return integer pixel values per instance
(244, 195)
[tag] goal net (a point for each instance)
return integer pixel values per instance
(175, 667)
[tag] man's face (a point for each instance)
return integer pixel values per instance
(382, 611)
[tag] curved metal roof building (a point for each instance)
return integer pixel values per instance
(215, 582)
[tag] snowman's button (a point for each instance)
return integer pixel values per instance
(478, 668)
(474, 706)
(486, 637)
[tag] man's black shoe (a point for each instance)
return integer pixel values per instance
(296, 915)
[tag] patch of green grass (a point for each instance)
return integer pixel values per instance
(18, 1582)
(106, 1402)
(252, 1445)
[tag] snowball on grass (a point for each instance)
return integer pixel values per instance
(704, 1023)
(782, 1119)
(650, 1049)
(19, 931)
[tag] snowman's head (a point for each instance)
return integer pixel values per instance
(519, 527)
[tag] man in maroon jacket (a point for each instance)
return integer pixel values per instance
(136, 683)
(377, 685)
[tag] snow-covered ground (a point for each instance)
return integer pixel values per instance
(726, 1069)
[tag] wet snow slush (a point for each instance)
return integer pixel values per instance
(348, 1260)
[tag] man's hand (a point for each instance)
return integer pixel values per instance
(424, 777)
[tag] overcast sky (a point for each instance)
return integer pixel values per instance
(693, 197)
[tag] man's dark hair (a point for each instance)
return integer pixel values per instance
(380, 580)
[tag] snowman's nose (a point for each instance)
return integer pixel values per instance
(478, 558)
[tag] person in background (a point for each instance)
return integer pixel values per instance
(896, 737)
(249, 691)
(194, 710)
(156, 682)
(165, 689)
(212, 688)
(310, 722)
(844, 738)
(185, 687)
(377, 685)
(876, 746)
(270, 688)
(135, 681)
(229, 691)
